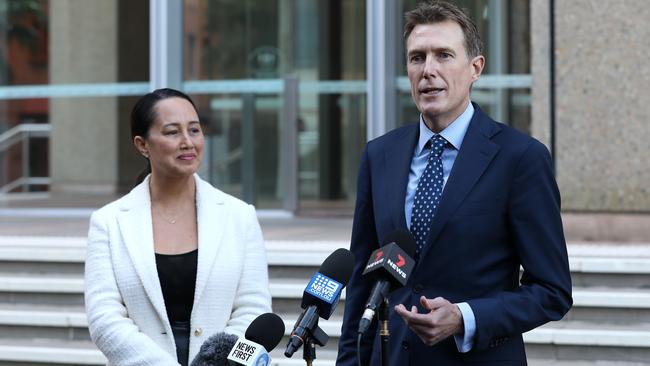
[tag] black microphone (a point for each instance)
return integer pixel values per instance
(214, 351)
(262, 336)
(390, 267)
(320, 298)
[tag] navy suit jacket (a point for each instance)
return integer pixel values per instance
(500, 210)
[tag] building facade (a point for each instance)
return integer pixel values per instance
(290, 91)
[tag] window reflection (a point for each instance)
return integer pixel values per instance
(319, 41)
(504, 26)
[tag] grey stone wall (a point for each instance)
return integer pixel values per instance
(603, 102)
(83, 45)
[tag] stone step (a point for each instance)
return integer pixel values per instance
(600, 264)
(602, 304)
(49, 352)
(73, 249)
(41, 295)
(588, 257)
(567, 343)
(41, 353)
(562, 332)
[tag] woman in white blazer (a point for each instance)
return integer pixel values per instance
(175, 260)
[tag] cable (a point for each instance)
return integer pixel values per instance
(359, 349)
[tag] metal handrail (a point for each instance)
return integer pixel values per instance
(22, 133)
(22, 181)
(12, 135)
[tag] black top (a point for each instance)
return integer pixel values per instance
(177, 274)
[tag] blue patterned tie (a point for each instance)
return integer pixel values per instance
(427, 194)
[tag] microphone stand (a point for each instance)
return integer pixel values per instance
(316, 337)
(309, 351)
(384, 333)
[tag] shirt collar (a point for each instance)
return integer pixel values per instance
(454, 133)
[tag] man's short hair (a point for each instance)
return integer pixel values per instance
(439, 11)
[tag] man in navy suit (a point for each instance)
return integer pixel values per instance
(481, 201)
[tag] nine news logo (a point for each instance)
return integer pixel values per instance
(324, 288)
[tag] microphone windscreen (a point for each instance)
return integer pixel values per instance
(338, 266)
(403, 239)
(267, 330)
(214, 351)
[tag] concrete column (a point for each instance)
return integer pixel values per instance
(601, 86)
(83, 49)
(539, 44)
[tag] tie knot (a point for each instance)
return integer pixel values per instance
(437, 145)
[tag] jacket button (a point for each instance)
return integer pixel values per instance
(417, 289)
(405, 345)
(198, 332)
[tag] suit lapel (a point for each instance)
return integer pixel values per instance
(398, 158)
(211, 219)
(136, 228)
(476, 153)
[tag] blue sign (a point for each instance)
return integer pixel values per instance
(324, 288)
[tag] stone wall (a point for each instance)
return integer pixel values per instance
(602, 101)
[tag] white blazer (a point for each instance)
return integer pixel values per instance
(124, 302)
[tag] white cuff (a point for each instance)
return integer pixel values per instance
(466, 342)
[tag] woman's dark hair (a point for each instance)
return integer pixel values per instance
(143, 116)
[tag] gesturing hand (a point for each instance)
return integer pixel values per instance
(442, 320)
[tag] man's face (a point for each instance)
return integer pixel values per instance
(440, 73)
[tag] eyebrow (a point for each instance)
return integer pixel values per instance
(436, 50)
(177, 124)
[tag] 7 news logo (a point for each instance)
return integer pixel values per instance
(324, 287)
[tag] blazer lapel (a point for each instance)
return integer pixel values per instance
(211, 220)
(398, 158)
(136, 228)
(476, 153)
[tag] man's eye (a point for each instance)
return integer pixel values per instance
(174, 132)
(416, 58)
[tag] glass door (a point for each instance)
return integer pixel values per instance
(237, 56)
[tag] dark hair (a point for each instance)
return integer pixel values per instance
(440, 11)
(143, 116)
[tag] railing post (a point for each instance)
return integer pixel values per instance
(289, 144)
(248, 148)
(166, 44)
(25, 160)
(381, 73)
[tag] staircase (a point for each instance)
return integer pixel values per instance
(42, 320)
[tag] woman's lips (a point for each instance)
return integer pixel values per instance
(187, 157)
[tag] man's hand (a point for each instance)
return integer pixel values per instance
(443, 320)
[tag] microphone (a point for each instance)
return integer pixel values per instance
(390, 267)
(214, 351)
(262, 336)
(320, 298)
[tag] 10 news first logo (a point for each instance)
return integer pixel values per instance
(248, 353)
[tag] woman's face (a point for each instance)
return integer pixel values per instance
(175, 140)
